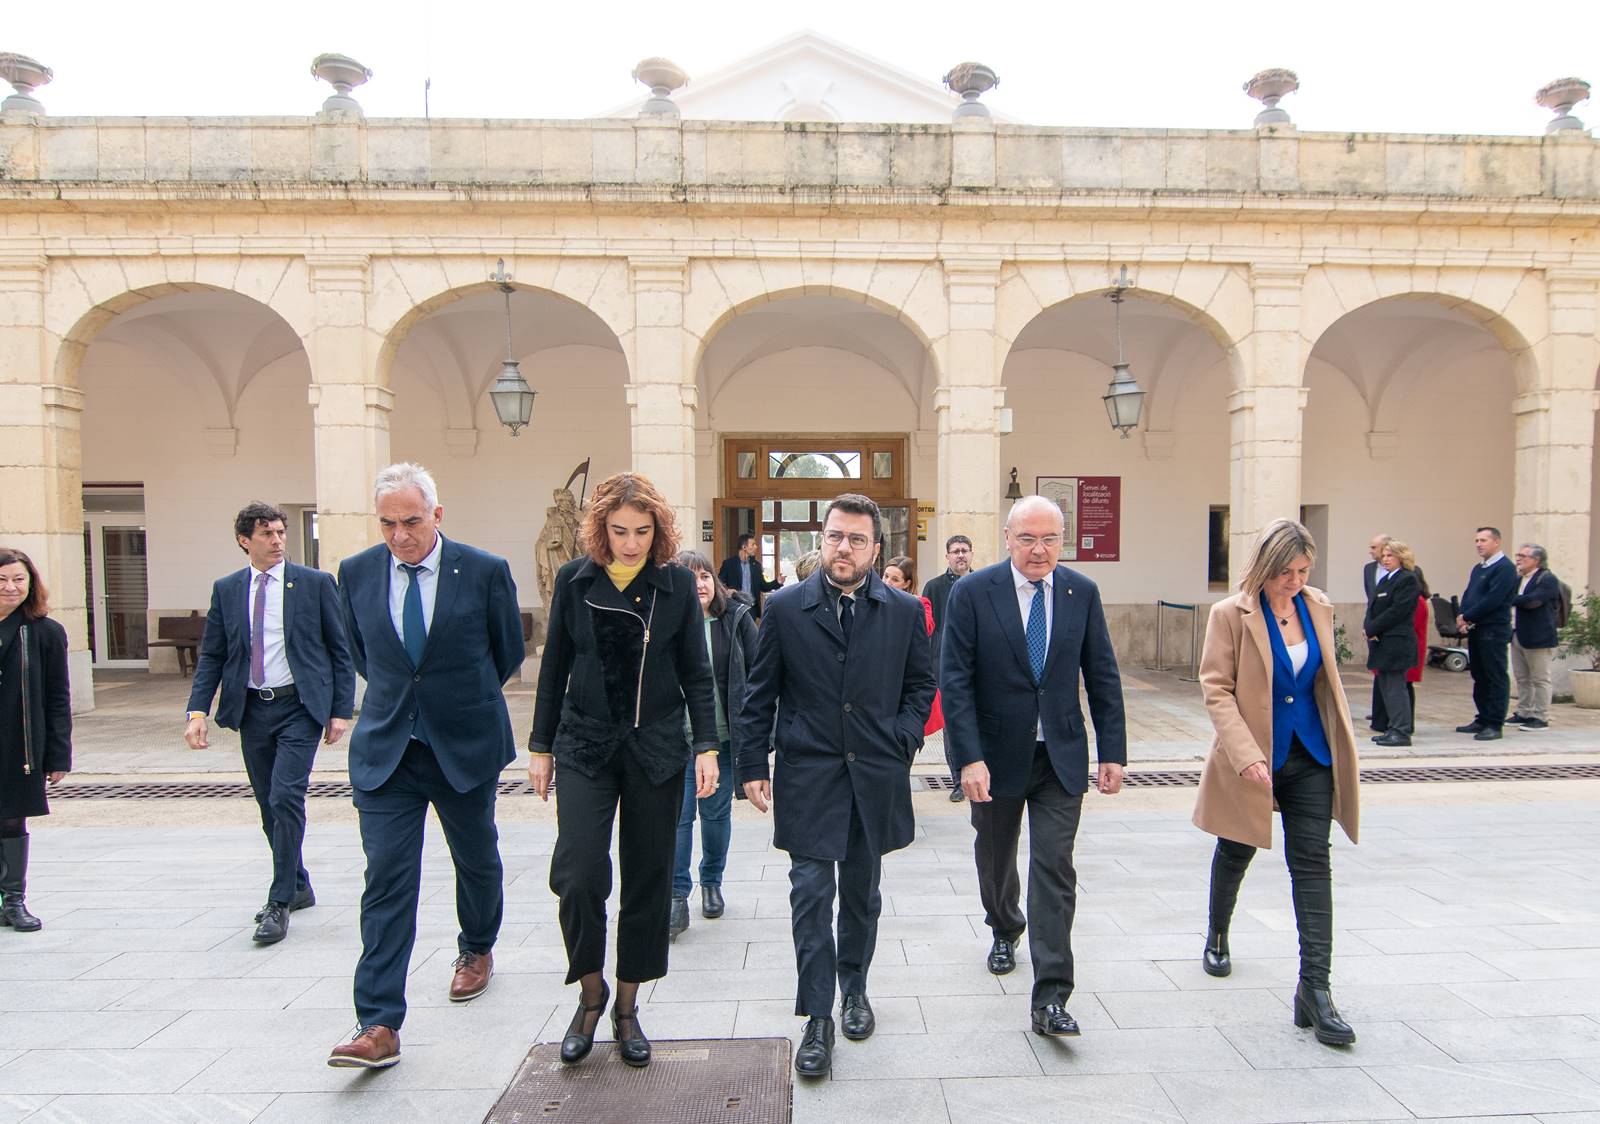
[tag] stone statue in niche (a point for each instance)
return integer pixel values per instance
(558, 540)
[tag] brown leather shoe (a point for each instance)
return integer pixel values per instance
(471, 980)
(373, 1047)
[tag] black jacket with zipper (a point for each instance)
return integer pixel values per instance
(46, 696)
(619, 668)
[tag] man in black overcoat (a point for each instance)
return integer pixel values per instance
(842, 663)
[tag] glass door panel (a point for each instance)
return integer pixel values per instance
(126, 594)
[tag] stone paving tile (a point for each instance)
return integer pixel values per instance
(1282, 1095)
(482, 1063)
(1282, 1045)
(379, 1106)
(1489, 1087)
(775, 1018)
(1137, 1051)
(181, 965)
(1375, 1003)
(1556, 935)
(1134, 1010)
(1548, 964)
(1120, 1097)
(959, 1013)
(1448, 938)
(104, 1071)
(170, 1108)
(935, 1057)
(50, 965)
(1510, 1039)
(63, 995)
(882, 1102)
(94, 1030)
(212, 995)
(1111, 976)
(15, 1107)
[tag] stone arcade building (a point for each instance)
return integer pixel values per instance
(1377, 332)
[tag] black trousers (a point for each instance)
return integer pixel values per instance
(279, 741)
(1391, 698)
(1380, 713)
(1053, 815)
(580, 868)
(392, 820)
(1491, 676)
(1303, 789)
(820, 955)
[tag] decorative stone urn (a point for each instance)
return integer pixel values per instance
(1560, 96)
(663, 76)
(971, 80)
(24, 74)
(1269, 87)
(344, 74)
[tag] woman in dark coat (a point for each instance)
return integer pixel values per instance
(901, 573)
(1391, 629)
(624, 654)
(35, 724)
(731, 641)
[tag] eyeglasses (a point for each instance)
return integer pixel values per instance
(857, 542)
(1028, 542)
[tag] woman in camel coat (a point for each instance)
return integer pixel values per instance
(1283, 737)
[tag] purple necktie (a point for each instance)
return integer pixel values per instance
(258, 634)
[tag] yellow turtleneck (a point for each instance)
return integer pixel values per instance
(622, 575)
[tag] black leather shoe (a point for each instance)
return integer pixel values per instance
(711, 903)
(274, 924)
(634, 1047)
(856, 1018)
(1314, 1007)
(679, 920)
(1003, 955)
(1053, 1020)
(577, 1044)
(814, 1058)
(1487, 734)
(956, 795)
(303, 899)
(1392, 739)
(1470, 728)
(1216, 961)
(1516, 720)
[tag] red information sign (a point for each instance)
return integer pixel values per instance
(1091, 510)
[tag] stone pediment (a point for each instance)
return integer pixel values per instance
(809, 77)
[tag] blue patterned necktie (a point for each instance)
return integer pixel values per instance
(413, 630)
(1037, 639)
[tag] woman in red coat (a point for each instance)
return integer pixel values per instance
(901, 573)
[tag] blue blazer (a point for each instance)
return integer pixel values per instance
(313, 640)
(849, 716)
(474, 646)
(1294, 700)
(1536, 611)
(991, 703)
(1487, 601)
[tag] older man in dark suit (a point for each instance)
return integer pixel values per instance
(274, 644)
(843, 664)
(436, 633)
(1014, 730)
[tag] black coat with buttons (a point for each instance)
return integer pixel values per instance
(849, 716)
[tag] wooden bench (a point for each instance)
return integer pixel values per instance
(183, 635)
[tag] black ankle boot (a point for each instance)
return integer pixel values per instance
(14, 886)
(1216, 961)
(635, 1048)
(576, 1045)
(1313, 1007)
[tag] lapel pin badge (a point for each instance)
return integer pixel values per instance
(288, 585)
(455, 571)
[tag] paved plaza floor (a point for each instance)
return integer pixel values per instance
(1467, 958)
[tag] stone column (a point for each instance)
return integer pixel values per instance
(350, 411)
(41, 460)
(1265, 414)
(1555, 430)
(966, 406)
(662, 397)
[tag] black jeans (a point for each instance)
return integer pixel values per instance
(1303, 789)
(279, 742)
(1491, 676)
(580, 869)
(1053, 815)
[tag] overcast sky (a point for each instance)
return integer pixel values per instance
(1396, 66)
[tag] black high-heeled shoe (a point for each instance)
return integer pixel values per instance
(635, 1049)
(576, 1045)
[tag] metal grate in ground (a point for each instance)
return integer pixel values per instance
(692, 1081)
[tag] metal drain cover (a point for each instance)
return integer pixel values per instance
(689, 1081)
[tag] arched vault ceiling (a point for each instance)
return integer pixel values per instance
(1372, 344)
(1153, 334)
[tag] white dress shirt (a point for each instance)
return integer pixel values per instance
(1025, 588)
(428, 581)
(1492, 559)
(276, 662)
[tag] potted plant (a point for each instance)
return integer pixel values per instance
(1581, 637)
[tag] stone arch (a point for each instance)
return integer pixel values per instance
(403, 296)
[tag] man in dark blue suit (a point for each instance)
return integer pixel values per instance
(436, 634)
(1014, 731)
(1486, 615)
(842, 662)
(741, 572)
(275, 645)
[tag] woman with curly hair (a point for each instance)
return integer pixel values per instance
(624, 655)
(35, 723)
